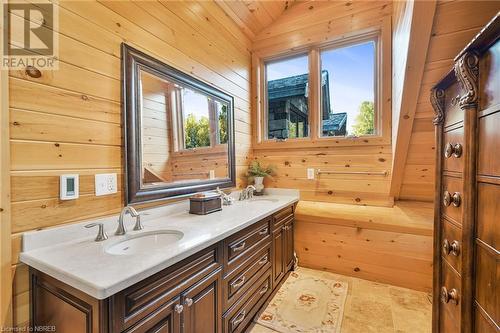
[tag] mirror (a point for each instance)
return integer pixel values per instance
(179, 131)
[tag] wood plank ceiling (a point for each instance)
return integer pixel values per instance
(253, 16)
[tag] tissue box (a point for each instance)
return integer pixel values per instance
(205, 203)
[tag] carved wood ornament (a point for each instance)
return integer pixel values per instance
(467, 73)
(437, 101)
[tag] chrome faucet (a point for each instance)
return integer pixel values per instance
(226, 198)
(247, 193)
(101, 234)
(121, 227)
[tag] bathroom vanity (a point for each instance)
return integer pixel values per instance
(215, 278)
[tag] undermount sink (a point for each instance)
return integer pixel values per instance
(145, 242)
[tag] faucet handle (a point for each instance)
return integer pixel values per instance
(138, 223)
(101, 234)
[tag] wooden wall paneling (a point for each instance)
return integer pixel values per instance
(126, 29)
(5, 218)
(212, 19)
(291, 171)
(390, 245)
(340, 24)
(253, 16)
(455, 23)
(405, 96)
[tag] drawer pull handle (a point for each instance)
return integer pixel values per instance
(453, 247)
(447, 296)
(264, 290)
(188, 301)
(263, 232)
(239, 247)
(454, 150)
(263, 260)
(239, 318)
(178, 308)
(238, 283)
(454, 199)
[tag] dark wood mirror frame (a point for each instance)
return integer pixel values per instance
(132, 62)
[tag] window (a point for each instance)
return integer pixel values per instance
(329, 93)
(348, 90)
(287, 85)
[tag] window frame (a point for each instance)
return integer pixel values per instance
(382, 96)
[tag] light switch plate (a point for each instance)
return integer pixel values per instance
(310, 173)
(105, 183)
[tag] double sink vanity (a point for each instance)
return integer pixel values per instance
(180, 273)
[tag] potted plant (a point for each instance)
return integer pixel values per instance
(257, 173)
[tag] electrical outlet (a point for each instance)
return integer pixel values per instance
(105, 183)
(212, 174)
(310, 173)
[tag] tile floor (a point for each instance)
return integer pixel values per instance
(380, 308)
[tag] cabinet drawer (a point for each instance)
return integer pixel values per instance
(135, 303)
(282, 215)
(163, 320)
(451, 244)
(453, 150)
(240, 315)
(449, 307)
(453, 113)
(241, 280)
(452, 198)
(239, 246)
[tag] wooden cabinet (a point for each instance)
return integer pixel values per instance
(278, 255)
(283, 253)
(289, 254)
(202, 305)
(467, 240)
(219, 289)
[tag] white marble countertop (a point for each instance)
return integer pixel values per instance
(70, 254)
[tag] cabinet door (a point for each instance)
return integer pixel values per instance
(278, 255)
(289, 257)
(165, 319)
(202, 306)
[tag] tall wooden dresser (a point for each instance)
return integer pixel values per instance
(467, 210)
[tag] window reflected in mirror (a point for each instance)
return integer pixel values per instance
(184, 133)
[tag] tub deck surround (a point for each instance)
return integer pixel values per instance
(70, 254)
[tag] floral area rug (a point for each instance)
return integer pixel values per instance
(309, 301)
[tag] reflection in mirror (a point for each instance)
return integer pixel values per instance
(184, 135)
